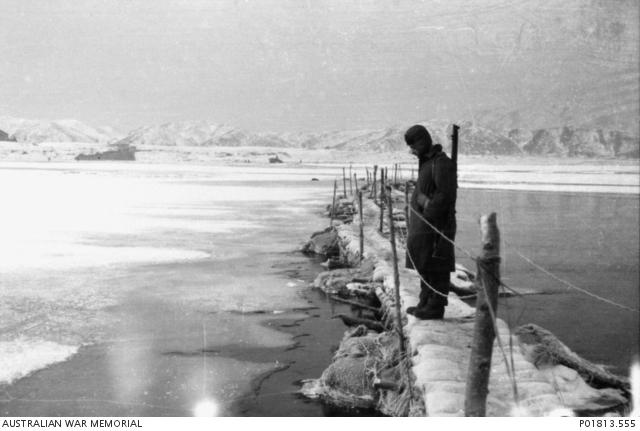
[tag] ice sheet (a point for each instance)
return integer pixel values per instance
(22, 356)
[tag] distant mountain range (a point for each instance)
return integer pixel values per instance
(36, 131)
(563, 141)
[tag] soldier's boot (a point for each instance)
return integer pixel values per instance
(430, 313)
(437, 301)
(425, 294)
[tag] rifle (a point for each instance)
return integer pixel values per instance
(454, 149)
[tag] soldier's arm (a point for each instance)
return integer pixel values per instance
(439, 205)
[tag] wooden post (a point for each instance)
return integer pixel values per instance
(375, 180)
(333, 203)
(355, 181)
(395, 174)
(350, 182)
(486, 309)
(361, 225)
(344, 183)
(406, 205)
(367, 172)
(396, 281)
(382, 188)
(382, 204)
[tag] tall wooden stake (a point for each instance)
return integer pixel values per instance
(367, 172)
(355, 181)
(333, 203)
(361, 225)
(486, 308)
(396, 288)
(375, 179)
(344, 183)
(406, 205)
(350, 182)
(382, 202)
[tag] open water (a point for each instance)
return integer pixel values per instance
(171, 290)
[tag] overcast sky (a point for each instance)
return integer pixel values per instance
(284, 65)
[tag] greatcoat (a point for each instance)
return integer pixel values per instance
(427, 251)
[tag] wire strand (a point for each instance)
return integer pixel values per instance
(566, 283)
(573, 286)
(510, 371)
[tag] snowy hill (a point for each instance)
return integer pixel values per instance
(201, 134)
(69, 130)
(565, 141)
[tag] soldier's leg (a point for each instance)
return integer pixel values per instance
(437, 301)
(440, 283)
(425, 294)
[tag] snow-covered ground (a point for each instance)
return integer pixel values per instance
(494, 172)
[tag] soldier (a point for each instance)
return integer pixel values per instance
(433, 200)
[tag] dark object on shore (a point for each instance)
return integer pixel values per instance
(275, 159)
(4, 136)
(356, 321)
(314, 179)
(323, 243)
(362, 375)
(542, 348)
(342, 209)
(345, 281)
(122, 152)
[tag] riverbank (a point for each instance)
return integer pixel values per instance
(439, 353)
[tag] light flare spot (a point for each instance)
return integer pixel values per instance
(562, 412)
(206, 408)
(519, 411)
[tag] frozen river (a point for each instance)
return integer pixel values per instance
(149, 274)
(151, 289)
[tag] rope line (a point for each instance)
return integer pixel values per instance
(508, 366)
(568, 284)
(431, 287)
(573, 286)
(473, 258)
(494, 321)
